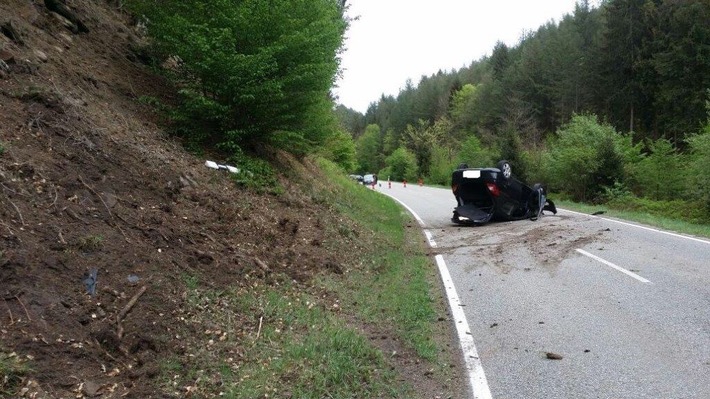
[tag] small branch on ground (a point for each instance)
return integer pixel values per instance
(23, 307)
(258, 333)
(22, 220)
(12, 233)
(56, 194)
(127, 309)
(12, 320)
(61, 238)
(98, 195)
(74, 215)
(263, 266)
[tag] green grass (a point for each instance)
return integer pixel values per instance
(394, 284)
(644, 217)
(284, 340)
(91, 243)
(293, 346)
(12, 369)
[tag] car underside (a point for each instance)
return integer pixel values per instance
(493, 194)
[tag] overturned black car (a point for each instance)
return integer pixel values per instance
(488, 194)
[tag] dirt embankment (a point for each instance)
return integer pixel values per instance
(102, 217)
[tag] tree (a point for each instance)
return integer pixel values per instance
(682, 61)
(500, 60)
(699, 178)
(400, 165)
(462, 107)
(350, 120)
(660, 175)
(368, 150)
(474, 155)
(421, 139)
(629, 78)
(390, 142)
(585, 157)
(340, 148)
(250, 71)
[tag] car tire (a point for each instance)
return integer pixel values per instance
(506, 170)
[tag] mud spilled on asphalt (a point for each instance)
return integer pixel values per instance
(524, 244)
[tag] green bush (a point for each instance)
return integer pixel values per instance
(402, 164)
(340, 148)
(256, 174)
(585, 157)
(699, 159)
(367, 148)
(474, 155)
(678, 209)
(661, 173)
(442, 164)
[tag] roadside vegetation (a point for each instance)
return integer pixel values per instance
(565, 106)
(649, 218)
(606, 106)
(12, 370)
(299, 348)
(314, 342)
(394, 283)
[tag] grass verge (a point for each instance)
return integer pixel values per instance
(278, 341)
(393, 284)
(12, 370)
(666, 223)
(284, 340)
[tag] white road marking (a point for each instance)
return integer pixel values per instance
(430, 238)
(476, 375)
(639, 226)
(619, 268)
(419, 220)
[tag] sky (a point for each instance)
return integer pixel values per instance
(395, 40)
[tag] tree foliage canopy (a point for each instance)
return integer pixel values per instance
(585, 157)
(606, 102)
(251, 71)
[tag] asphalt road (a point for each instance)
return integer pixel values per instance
(626, 308)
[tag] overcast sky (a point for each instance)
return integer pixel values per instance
(396, 40)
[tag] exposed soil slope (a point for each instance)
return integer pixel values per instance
(88, 182)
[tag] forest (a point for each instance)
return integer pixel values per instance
(608, 105)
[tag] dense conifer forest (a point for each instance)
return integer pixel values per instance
(608, 104)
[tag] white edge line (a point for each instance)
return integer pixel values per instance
(419, 220)
(640, 227)
(476, 375)
(613, 266)
(430, 238)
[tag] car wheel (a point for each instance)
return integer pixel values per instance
(504, 167)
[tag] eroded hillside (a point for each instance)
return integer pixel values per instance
(88, 182)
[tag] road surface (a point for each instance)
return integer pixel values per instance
(624, 311)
